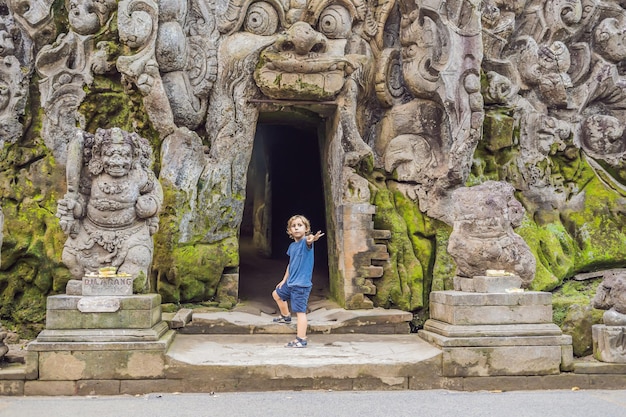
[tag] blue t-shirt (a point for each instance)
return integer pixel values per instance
(300, 264)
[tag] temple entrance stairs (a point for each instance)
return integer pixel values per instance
(242, 349)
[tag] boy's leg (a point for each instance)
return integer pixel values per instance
(302, 325)
(282, 305)
(299, 303)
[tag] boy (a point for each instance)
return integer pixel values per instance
(296, 284)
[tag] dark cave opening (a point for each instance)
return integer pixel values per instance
(284, 179)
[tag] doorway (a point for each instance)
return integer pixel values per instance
(284, 178)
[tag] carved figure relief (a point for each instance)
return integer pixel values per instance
(66, 67)
(15, 55)
(483, 218)
(440, 63)
(110, 211)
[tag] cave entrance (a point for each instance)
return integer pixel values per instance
(284, 178)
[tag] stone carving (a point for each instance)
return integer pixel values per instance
(66, 67)
(428, 141)
(611, 296)
(36, 17)
(324, 56)
(110, 211)
(610, 338)
(482, 238)
(14, 57)
(558, 66)
(175, 64)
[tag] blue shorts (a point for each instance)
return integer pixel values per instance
(299, 297)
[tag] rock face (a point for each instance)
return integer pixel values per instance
(413, 105)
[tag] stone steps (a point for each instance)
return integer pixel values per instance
(320, 321)
(260, 362)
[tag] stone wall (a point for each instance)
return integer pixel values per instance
(413, 101)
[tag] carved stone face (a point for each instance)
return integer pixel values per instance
(117, 159)
(310, 60)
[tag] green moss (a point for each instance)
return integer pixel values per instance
(187, 272)
(402, 284)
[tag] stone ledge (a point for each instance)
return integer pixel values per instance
(250, 383)
(601, 368)
(161, 344)
(495, 341)
(103, 335)
(459, 298)
(492, 330)
(127, 302)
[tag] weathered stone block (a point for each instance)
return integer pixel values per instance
(473, 299)
(181, 318)
(50, 388)
(468, 315)
(465, 308)
(498, 128)
(125, 319)
(120, 364)
(609, 343)
(505, 360)
(98, 387)
(484, 284)
(12, 387)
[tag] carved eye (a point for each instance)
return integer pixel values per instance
(335, 22)
(261, 19)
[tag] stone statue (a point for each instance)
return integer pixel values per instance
(14, 58)
(609, 338)
(482, 238)
(110, 211)
(611, 296)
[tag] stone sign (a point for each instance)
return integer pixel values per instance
(98, 305)
(114, 285)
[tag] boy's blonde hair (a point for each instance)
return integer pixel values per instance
(304, 220)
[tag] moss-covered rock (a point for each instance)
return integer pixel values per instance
(410, 249)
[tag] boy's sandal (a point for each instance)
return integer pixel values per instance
(297, 343)
(282, 319)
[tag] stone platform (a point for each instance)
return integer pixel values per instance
(219, 362)
(497, 334)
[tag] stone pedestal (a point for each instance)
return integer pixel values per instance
(491, 334)
(102, 337)
(609, 343)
